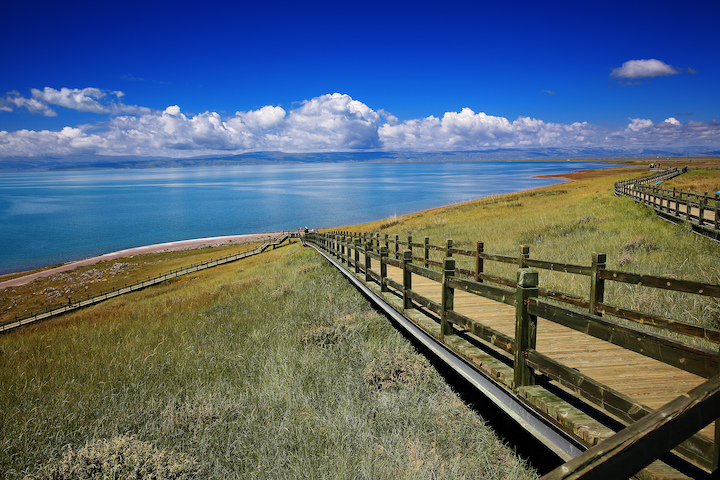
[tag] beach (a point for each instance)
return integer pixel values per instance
(158, 247)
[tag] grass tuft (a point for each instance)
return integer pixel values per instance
(121, 457)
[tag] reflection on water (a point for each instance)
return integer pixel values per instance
(53, 217)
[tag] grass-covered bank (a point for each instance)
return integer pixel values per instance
(569, 221)
(272, 367)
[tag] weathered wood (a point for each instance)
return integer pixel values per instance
(669, 325)
(666, 283)
(525, 326)
(499, 258)
(498, 294)
(368, 247)
(479, 263)
(425, 272)
(407, 280)
(425, 302)
(638, 445)
(448, 293)
(597, 285)
(426, 252)
(558, 266)
(490, 335)
(383, 268)
(696, 360)
(524, 255)
(614, 402)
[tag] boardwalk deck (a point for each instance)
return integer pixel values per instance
(644, 379)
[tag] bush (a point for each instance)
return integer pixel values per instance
(122, 457)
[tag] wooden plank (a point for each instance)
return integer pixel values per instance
(690, 358)
(665, 283)
(635, 447)
(498, 294)
(664, 323)
(558, 267)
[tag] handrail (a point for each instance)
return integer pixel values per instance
(700, 210)
(114, 292)
(701, 450)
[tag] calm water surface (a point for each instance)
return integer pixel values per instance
(55, 217)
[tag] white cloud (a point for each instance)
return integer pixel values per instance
(333, 122)
(91, 100)
(637, 124)
(643, 69)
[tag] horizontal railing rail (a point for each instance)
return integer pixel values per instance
(531, 302)
(117, 291)
(699, 209)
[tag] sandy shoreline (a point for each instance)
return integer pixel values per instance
(158, 247)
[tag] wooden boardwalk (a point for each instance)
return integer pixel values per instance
(644, 379)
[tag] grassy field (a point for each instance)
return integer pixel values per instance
(569, 221)
(274, 367)
(271, 367)
(87, 281)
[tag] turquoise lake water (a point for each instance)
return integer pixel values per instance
(54, 217)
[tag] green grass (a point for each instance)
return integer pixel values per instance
(87, 281)
(271, 367)
(567, 223)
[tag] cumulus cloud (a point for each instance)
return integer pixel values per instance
(634, 69)
(93, 100)
(333, 122)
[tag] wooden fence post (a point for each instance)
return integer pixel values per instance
(426, 253)
(368, 248)
(383, 268)
(357, 254)
(525, 326)
(479, 263)
(397, 246)
(387, 242)
(448, 246)
(448, 298)
(597, 285)
(409, 246)
(717, 200)
(343, 241)
(524, 255)
(407, 280)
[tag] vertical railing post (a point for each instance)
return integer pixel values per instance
(409, 246)
(407, 280)
(426, 251)
(397, 247)
(717, 200)
(342, 248)
(383, 268)
(597, 285)
(525, 326)
(387, 242)
(447, 299)
(368, 248)
(524, 255)
(448, 246)
(479, 262)
(377, 237)
(357, 254)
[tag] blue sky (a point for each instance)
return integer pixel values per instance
(177, 79)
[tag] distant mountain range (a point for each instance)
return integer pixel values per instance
(257, 158)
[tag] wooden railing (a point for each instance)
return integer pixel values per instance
(699, 209)
(583, 314)
(91, 300)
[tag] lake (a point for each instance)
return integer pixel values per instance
(59, 216)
